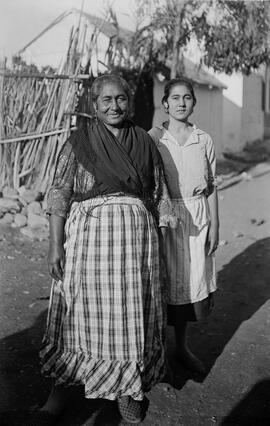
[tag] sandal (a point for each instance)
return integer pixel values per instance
(42, 418)
(130, 409)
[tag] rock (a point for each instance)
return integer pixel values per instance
(21, 189)
(260, 222)
(9, 192)
(44, 205)
(222, 243)
(22, 201)
(246, 176)
(7, 219)
(29, 195)
(9, 204)
(35, 234)
(257, 222)
(260, 169)
(238, 234)
(35, 208)
(24, 211)
(20, 220)
(37, 221)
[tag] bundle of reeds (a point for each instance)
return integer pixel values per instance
(35, 120)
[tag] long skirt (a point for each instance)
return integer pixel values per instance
(105, 325)
(191, 272)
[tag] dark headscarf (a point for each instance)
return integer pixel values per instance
(119, 164)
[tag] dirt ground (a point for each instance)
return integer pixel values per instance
(233, 343)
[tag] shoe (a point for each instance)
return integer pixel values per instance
(188, 360)
(42, 418)
(130, 409)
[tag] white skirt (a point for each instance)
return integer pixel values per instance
(191, 272)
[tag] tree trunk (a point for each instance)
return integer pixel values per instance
(176, 39)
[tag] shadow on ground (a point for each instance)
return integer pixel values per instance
(244, 288)
(27, 389)
(254, 409)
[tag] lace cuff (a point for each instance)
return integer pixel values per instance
(167, 218)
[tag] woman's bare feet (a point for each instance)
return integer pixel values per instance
(188, 360)
(57, 400)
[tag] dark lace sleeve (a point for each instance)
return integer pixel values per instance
(61, 192)
(162, 200)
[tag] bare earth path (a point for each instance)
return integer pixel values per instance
(234, 342)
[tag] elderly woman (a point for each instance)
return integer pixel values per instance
(105, 322)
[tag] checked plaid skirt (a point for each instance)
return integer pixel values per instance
(105, 322)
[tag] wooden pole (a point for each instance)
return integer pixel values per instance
(29, 137)
(2, 69)
(43, 75)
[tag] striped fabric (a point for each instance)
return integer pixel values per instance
(191, 273)
(105, 320)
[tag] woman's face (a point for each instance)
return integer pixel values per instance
(180, 103)
(112, 104)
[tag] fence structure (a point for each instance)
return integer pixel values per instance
(37, 114)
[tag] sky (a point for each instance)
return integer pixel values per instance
(22, 20)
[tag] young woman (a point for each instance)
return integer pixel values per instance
(105, 321)
(189, 160)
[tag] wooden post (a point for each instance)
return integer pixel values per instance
(2, 68)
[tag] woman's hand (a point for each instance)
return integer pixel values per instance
(56, 261)
(56, 255)
(213, 231)
(212, 239)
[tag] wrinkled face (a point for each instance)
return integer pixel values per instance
(112, 104)
(180, 102)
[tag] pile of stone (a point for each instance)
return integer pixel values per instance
(24, 209)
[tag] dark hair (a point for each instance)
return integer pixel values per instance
(178, 82)
(100, 81)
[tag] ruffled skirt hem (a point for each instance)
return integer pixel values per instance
(106, 379)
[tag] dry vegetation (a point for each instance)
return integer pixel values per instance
(36, 117)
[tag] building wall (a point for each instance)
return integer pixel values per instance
(267, 125)
(232, 125)
(253, 114)
(267, 102)
(243, 115)
(207, 112)
(232, 111)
